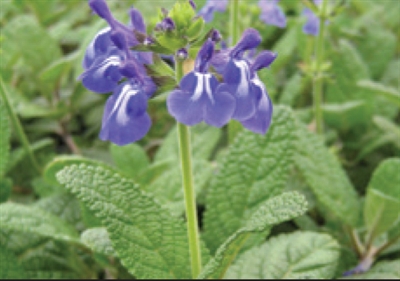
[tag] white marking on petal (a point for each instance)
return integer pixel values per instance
(113, 60)
(256, 81)
(122, 103)
(203, 81)
(243, 88)
(90, 51)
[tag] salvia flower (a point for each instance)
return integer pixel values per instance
(271, 13)
(212, 6)
(311, 27)
(111, 66)
(199, 98)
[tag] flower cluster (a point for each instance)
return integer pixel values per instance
(242, 96)
(112, 66)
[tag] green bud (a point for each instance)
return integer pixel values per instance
(195, 29)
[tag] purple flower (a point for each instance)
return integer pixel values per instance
(199, 98)
(108, 60)
(311, 27)
(271, 13)
(212, 6)
(253, 106)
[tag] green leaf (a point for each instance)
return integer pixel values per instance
(254, 170)
(38, 55)
(299, 255)
(326, 178)
(204, 139)
(389, 93)
(272, 212)
(130, 159)
(54, 71)
(389, 128)
(5, 189)
(382, 270)
(97, 240)
(4, 138)
(142, 233)
(10, 267)
(344, 115)
(36, 221)
(382, 201)
(65, 206)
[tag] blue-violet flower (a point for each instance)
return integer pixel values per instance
(271, 13)
(212, 6)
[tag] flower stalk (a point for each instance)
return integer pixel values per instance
(18, 128)
(318, 76)
(188, 187)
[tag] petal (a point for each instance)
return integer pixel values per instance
(125, 119)
(273, 15)
(101, 9)
(264, 59)
(184, 108)
(219, 109)
(251, 38)
(311, 27)
(260, 122)
(103, 76)
(220, 60)
(189, 82)
(137, 20)
(204, 56)
(100, 45)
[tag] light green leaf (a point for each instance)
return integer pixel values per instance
(254, 170)
(389, 93)
(204, 138)
(4, 138)
(36, 221)
(382, 201)
(130, 159)
(382, 270)
(326, 178)
(299, 255)
(55, 71)
(65, 206)
(285, 47)
(142, 233)
(272, 212)
(10, 268)
(97, 240)
(389, 128)
(344, 115)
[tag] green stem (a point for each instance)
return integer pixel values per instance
(188, 188)
(234, 127)
(318, 77)
(18, 127)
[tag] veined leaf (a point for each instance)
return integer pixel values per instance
(274, 211)
(97, 240)
(36, 221)
(326, 178)
(299, 255)
(382, 202)
(142, 233)
(4, 138)
(254, 170)
(9, 266)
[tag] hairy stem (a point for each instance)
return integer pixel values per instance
(18, 128)
(188, 187)
(318, 76)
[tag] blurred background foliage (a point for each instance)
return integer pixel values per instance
(42, 44)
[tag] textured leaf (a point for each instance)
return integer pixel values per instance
(274, 211)
(204, 138)
(382, 201)
(382, 270)
(130, 159)
(97, 240)
(36, 221)
(42, 257)
(299, 255)
(254, 170)
(9, 266)
(4, 138)
(65, 206)
(142, 233)
(326, 178)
